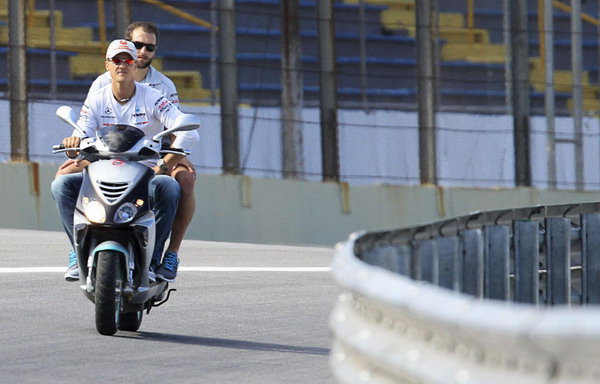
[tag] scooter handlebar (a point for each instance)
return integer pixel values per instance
(175, 151)
(60, 148)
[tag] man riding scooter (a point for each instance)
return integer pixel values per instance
(126, 102)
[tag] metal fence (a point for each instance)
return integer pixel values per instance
(546, 255)
(375, 49)
(390, 328)
(507, 296)
(370, 71)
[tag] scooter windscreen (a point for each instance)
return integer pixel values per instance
(120, 137)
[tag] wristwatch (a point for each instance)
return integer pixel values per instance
(163, 167)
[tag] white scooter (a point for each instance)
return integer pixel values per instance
(114, 226)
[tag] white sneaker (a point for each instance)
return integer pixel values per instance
(72, 273)
(151, 274)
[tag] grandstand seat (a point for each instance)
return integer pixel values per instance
(493, 21)
(264, 14)
(390, 58)
(265, 41)
(263, 92)
(38, 63)
(589, 7)
(562, 52)
(74, 16)
(40, 88)
(460, 75)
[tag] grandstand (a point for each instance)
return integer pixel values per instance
(471, 71)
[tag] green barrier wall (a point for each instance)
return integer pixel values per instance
(275, 211)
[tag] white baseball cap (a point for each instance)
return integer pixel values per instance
(119, 46)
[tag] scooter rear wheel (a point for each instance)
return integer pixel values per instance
(131, 321)
(109, 288)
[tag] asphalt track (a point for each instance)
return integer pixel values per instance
(242, 313)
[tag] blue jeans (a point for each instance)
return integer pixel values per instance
(164, 198)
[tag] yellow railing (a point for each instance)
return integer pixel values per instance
(542, 28)
(180, 13)
(102, 19)
(102, 26)
(31, 14)
(157, 3)
(542, 36)
(567, 8)
(557, 4)
(471, 20)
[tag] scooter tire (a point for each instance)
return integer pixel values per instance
(131, 321)
(109, 288)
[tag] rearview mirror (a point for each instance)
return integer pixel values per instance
(66, 114)
(184, 122)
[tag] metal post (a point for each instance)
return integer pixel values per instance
(426, 92)
(558, 258)
(598, 58)
(101, 26)
(229, 89)
(53, 88)
(526, 246)
(402, 257)
(393, 258)
(17, 81)
(497, 254)
(549, 103)
(448, 251)
(122, 15)
(590, 258)
(576, 64)
(328, 94)
(214, 49)
(427, 258)
(436, 58)
(520, 85)
(507, 38)
(363, 52)
(292, 95)
(472, 262)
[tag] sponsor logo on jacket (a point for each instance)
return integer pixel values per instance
(163, 105)
(138, 111)
(108, 113)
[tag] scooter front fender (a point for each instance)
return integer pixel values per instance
(110, 245)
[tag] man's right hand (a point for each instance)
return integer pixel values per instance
(71, 142)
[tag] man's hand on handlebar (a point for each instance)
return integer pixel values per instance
(71, 142)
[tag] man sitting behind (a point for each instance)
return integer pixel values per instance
(144, 35)
(126, 102)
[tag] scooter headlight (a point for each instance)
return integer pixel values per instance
(125, 213)
(93, 210)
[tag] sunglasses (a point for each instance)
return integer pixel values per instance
(140, 45)
(117, 61)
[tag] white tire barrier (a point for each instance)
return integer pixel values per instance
(389, 328)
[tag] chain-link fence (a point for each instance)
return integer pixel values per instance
(278, 53)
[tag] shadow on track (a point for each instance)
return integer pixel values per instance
(223, 343)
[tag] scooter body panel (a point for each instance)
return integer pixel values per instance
(113, 213)
(113, 183)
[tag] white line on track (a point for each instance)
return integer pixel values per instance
(184, 269)
(255, 269)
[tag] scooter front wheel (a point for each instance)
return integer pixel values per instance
(109, 289)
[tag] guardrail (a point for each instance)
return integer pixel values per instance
(490, 297)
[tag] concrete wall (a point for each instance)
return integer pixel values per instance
(274, 211)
